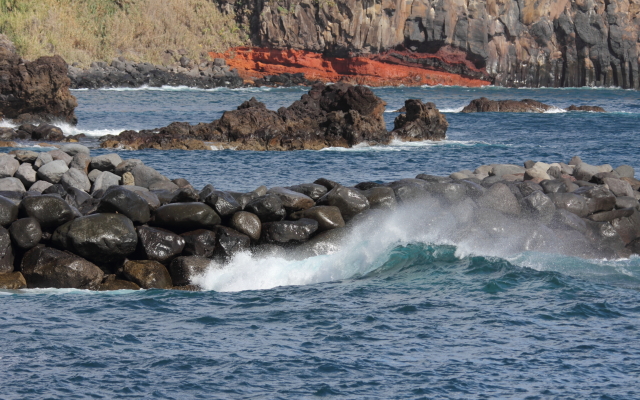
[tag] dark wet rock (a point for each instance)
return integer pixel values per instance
(183, 269)
(146, 176)
(76, 197)
(606, 216)
(206, 191)
(127, 166)
(184, 217)
(312, 190)
(566, 220)
(449, 191)
(432, 178)
(328, 217)
(606, 240)
(47, 132)
(350, 201)
(26, 233)
(491, 180)
(527, 188)
(381, 197)
(409, 190)
(230, 242)
(485, 105)
(554, 186)
(268, 208)
(224, 203)
(598, 198)
(164, 196)
(12, 281)
(159, 244)
(571, 202)
(292, 200)
(283, 232)
(200, 243)
(474, 189)
(628, 227)
(106, 162)
(8, 211)
(329, 185)
(539, 206)
(101, 238)
(6, 252)
(44, 267)
(111, 283)
(151, 198)
(56, 189)
(368, 185)
(148, 274)
(186, 194)
(49, 210)
(585, 108)
(422, 121)
(126, 202)
(248, 224)
(499, 197)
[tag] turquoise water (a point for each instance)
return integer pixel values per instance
(407, 309)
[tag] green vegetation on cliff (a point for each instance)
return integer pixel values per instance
(83, 31)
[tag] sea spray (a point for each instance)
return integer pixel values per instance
(367, 243)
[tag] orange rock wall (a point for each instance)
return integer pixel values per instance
(377, 70)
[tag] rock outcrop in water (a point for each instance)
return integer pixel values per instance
(34, 91)
(339, 115)
(557, 43)
(69, 220)
(527, 105)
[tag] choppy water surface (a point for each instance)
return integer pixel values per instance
(408, 308)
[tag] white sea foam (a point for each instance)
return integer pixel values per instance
(399, 145)
(555, 110)
(367, 246)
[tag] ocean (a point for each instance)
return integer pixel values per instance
(408, 308)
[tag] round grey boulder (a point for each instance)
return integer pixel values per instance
(247, 223)
(74, 148)
(126, 202)
(26, 174)
(11, 185)
(52, 172)
(106, 162)
(184, 217)
(26, 233)
(44, 267)
(8, 211)
(350, 201)
(75, 178)
(50, 210)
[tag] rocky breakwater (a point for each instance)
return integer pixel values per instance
(69, 220)
(34, 91)
(120, 72)
(527, 105)
(339, 115)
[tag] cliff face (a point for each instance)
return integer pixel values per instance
(532, 43)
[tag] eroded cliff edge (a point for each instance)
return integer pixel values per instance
(533, 43)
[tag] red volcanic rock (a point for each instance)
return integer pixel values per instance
(34, 90)
(391, 68)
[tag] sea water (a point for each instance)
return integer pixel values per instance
(410, 307)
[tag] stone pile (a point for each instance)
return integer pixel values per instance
(69, 220)
(124, 73)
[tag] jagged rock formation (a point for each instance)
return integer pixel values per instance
(34, 91)
(527, 105)
(339, 115)
(554, 43)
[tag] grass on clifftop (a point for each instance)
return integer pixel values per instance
(83, 31)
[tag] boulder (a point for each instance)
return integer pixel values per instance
(111, 283)
(40, 186)
(6, 252)
(625, 171)
(422, 121)
(200, 242)
(93, 175)
(598, 198)
(350, 201)
(8, 211)
(326, 183)
(104, 181)
(11, 185)
(117, 199)
(183, 269)
(571, 202)
(100, 238)
(499, 197)
(292, 200)
(12, 281)
(61, 155)
(49, 210)
(159, 244)
(248, 224)
(26, 174)
(26, 233)
(75, 178)
(539, 206)
(148, 274)
(230, 242)
(184, 217)
(312, 190)
(53, 171)
(81, 161)
(584, 171)
(627, 202)
(619, 187)
(8, 166)
(28, 156)
(380, 198)
(47, 132)
(268, 208)
(127, 166)
(606, 216)
(282, 232)
(327, 217)
(506, 169)
(151, 198)
(45, 267)
(43, 158)
(223, 203)
(185, 194)
(106, 162)
(145, 176)
(73, 149)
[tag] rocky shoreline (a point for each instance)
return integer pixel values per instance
(70, 220)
